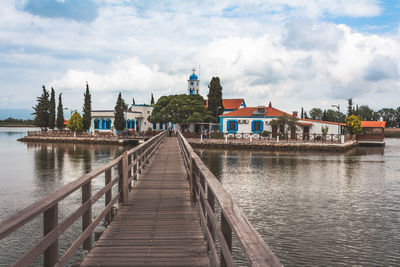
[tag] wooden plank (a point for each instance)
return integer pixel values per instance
(158, 226)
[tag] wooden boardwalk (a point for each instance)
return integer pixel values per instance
(159, 226)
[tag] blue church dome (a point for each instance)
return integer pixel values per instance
(193, 77)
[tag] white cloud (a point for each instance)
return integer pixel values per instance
(279, 50)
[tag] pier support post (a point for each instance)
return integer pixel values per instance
(50, 221)
(87, 216)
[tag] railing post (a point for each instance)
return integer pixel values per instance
(87, 216)
(227, 233)
(135, 168)
(211, 201)
(123, 178)
(108, 196)
(129, 171)
(50, 221)
(191, 177)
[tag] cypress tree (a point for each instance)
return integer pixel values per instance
(119, 118)
(60, 114)
(152, 99)
(41, 110)
(52, 109)
(87, 109)
(215, 98)
(350, 107)
(133, 101)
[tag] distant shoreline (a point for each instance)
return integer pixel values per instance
(18, 125)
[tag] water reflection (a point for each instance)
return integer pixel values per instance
(30, 171)
(319, 209)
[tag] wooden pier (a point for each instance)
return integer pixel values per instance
(159, 226)
(172, 211)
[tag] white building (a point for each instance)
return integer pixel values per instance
(257, 119)
(136, 119)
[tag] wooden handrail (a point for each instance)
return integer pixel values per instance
(207, 191)
(48, 206)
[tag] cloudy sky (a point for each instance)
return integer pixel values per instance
(294, 53)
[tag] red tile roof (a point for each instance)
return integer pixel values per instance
(373, 124)
(230, 103)
(248, 112)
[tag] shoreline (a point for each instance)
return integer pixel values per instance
(271, 146)
(78, 140)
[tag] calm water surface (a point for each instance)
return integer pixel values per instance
(319, 209)
(312, 209)
(30, 171)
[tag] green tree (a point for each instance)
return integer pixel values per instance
(181, 109)
(75, 122)
(389, 115)
(286, 121)
(87, 109)
(315, 114)
(215, 98)
(353, 124)
(331, 115)
(41, 110)
(52, 109)
(365, 113)
(324, 117)
(119, 113)
(60, 114)
(350, 107)
(152, 99)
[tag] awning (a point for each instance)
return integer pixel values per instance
(373, 124)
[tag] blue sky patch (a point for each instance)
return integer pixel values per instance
(78, 10)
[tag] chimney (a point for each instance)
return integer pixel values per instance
(295, 114)
(270, 105)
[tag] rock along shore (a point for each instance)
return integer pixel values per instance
(245, 144)
(75, 140)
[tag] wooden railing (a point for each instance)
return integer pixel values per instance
(130, 165)
(331, 138)
(97, 134)
(207, 191)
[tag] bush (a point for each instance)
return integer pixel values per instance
(353, 125)
(75, 123)
(266, 134)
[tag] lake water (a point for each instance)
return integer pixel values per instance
(313, 209)
(319, 209)
(30, 171)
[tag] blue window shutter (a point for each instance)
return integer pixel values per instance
(261, 126)
(236, 126)
(227, 126)
(252, 126)
(154, 126)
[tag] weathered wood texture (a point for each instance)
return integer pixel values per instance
(208, 192)
(158, 226)
(48, 206)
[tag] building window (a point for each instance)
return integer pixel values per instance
(96, 124)
(160, 126)
(154, 126)
(257, 126)
(232, 126)
(108, 124)
(103, 124)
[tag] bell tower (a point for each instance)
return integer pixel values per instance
(193, 84)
